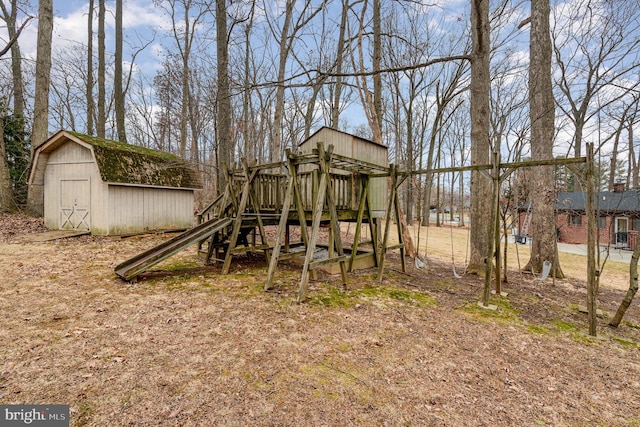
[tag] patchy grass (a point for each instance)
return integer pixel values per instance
(626, 343)
(331, 296)
(537, 329)
(505, 312)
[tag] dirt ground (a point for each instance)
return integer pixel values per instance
(188, 346)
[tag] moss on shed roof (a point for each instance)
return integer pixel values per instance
(119, 162)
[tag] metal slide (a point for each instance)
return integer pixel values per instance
(131, 268)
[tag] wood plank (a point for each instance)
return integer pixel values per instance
(387, 226)
(328, 261)
(279, 236)
(52, 235)
(315, 227)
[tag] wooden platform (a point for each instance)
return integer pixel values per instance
(52, 235)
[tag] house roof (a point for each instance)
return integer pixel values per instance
(123, 163)
(605, 201)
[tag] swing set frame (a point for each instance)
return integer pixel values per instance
(497, 172)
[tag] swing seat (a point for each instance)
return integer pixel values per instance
(546, 269)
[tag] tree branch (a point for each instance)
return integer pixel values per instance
(15, 37)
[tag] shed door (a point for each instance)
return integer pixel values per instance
(75, 197)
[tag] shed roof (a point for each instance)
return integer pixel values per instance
(330, 129)
(605, 201)
(123, 163)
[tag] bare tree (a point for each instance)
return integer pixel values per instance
(89, 84)
(101, 122)
(10, 16)
(40, 132)
(286, 37)
(596, 50)
(542, 115)
(481, 223)
(622, 117)
(223, 126)
(7, 201)
(118, 90)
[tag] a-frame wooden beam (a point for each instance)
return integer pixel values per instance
(237, 224)
(323, 196)
(392, 206)
(256, 209)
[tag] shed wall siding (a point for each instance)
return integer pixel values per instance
(359, 149)
(71, 162)
(135, 209)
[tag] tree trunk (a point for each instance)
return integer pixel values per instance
(40, 132)
(185, 93)
(633, 289)
(224, 96)
(250, 147)
(633, 163)
(278, 115)
(337, 95)
(7, 202)
(101, 122)
(117, 78)
(541, 112)
(16, 60)
(377, 77)
(89, 87)
(480, 141)
(613, 165)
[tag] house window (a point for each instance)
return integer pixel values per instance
(575, 220)
(635, 224)
(602, 222)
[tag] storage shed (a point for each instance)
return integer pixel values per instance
(355, 147)
(111, 188)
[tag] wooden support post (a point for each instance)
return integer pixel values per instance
(232, 193)
(287, 238)
(591, 247)
(387, 225)
(335, 239)
(304, 234)
(219, 213)
(233, 239)
(282, 225)
(361, 206)
(315, 226)
(332, 243)
(256, 207)
(375, 229)
(496, 207)
(396, 203)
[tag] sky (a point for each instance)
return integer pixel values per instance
(145, 23)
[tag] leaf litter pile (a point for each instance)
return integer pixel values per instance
(188, 346)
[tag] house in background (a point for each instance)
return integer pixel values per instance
(111, 188)
(617, 212)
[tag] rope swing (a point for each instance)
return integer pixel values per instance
(420, 263)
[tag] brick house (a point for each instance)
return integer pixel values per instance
(617, 212)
